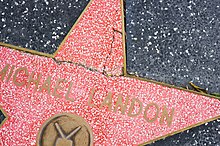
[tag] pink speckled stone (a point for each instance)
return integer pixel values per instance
(28, 110)
(96, 40)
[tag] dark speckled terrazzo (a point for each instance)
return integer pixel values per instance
(39, 25)
(205, 135)
(177, 41)
(174, 41)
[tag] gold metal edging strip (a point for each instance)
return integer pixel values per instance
(124, 57)
(77, 21)
(26, 50)
(46, 54)
(169, 86)
(125, 74)
(179, 131)
(124, 39)
(158, 83)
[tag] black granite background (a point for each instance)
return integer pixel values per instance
(177, 41)
(174, 41)
(205, 135)
(38, 24)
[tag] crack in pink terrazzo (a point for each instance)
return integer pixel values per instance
(109, 59)
(28, 110)
(90, 42)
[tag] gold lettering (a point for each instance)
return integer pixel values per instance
(91, 95)
(120, 104)
(156, 115)
(10, 73)
(46, 85)
(4, 71)
(165, 116)
(130, 114)
(19, 84)
(107, 101)
(35, 81)
(57, 86)
(68, 92)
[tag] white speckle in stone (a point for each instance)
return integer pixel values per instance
(47, 3)
(16, 3)
(135, 39)
(158, 51)
(3, 19)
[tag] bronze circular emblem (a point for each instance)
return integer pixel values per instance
(65, 130)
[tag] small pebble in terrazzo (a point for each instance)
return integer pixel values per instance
(39, 25)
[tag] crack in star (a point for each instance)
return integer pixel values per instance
(110, 52)
(59, 62)
(104, 71)
(84, 66)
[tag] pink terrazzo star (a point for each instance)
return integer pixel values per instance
(119, 110)
(96, 39)
(156, 111)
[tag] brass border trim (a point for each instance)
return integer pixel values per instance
(74, 25)
(125, 73)
(170, 86)
(26, 50)
(179, 131)
(124, 39)
(60, 45)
